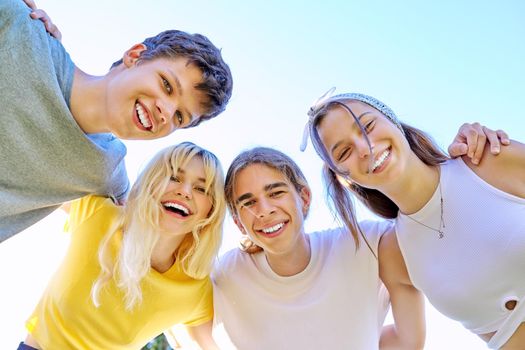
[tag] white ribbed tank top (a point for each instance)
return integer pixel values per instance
(479, 264)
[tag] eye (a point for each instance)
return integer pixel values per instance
(345, 153)
(174, 179)
(200, 189)
(369, 126)
(276, 194)
(247, 203)
(167, 85)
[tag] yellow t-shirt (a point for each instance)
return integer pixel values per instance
(66, 317)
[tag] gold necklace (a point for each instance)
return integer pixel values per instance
(440, 230)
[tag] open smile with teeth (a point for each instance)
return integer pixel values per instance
(381, 159)
(272, 229)
(144, 117)
(177, 208)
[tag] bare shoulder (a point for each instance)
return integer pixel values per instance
(392, 267)
(388, 245)
(506, 171)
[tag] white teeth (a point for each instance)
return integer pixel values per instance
(177, 206)
(379, 161)
(144, 120)
(273, 228)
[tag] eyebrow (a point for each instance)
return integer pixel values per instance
(181, 171)
(267, 188)
(180, 93)
(341, 141)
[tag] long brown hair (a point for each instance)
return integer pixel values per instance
(339, 190)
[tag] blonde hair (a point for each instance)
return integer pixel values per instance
(137, 228)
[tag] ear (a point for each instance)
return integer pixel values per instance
(132, 55)
(306, 197)
(239, 224)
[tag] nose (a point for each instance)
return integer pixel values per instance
(166, 109)
(264, 208)
(184, 190)
(362, 148)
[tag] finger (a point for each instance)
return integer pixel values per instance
(253, 249)
(40, 14)
(493, 140)
(479, 145)
(53, 30)
(468, 134)
(35, 14)
(472, 142)
(503, 137)
(480, 148)
(457, 149)
(31, 4)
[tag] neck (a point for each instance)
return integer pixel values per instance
(164, 253)
(415, 188)
(88, 102)
(292, 262)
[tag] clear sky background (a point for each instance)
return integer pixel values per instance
(436, 64)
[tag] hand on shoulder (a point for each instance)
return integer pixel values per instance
(505, 171)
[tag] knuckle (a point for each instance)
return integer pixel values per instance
(488, 130)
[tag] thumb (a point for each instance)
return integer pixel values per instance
(457, 149)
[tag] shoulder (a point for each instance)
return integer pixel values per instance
(228, 264)
(374, 230)
(328, 234)
(90, 206)
(392, 266)
(330, 239)
(340, 237)
(505, 171)
(17, 27)
(388, 245)
(13, 9)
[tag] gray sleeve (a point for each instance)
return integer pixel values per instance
(121, 183)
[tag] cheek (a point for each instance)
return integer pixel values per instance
(348, 166)
(323, 141)
(207, 206)
(244, 219)
(300, 207)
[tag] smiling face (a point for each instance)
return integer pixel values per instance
(151, 99)
(349, 151)
(185, 201)
(269, 209)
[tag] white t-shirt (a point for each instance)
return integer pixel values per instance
(332, 304)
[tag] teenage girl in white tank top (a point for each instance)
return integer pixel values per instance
(460, 227)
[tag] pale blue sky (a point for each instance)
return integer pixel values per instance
(437, 64)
